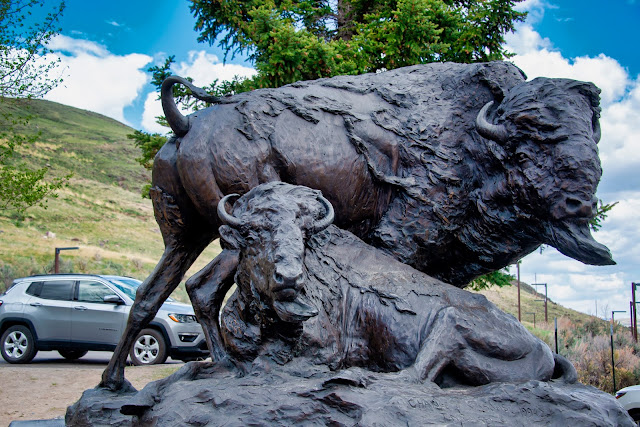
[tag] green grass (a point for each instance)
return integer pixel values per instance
(507, 300)
(101, 211)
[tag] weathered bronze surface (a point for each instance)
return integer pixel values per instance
(454, 170)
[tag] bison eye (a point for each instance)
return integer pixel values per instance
(251, 240)
(523, 157)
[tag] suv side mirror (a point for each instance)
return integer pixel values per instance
(113, 299)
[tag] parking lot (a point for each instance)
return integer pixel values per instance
(45, 387)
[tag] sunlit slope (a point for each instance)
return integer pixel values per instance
(101, 211)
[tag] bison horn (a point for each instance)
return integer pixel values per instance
(226, 217)
(323, 223)
(490, 131)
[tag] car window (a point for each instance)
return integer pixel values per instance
(57, 289)
(89, 291)
(34, 289)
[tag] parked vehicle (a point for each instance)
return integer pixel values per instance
(629, 399)
(75, 313)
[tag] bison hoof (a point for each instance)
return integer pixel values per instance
(117, 385)
(564, 370)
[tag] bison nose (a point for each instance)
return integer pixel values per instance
(575, 207)
(288, 282)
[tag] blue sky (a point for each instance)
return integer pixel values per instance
(591, 27)
(105, 48)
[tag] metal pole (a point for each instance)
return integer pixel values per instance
(635, 317)
(555, 321)
(613, 363)
(534, 318)
(519, 315)
(56, 263)
(546, 318)
(631, 317)
(545, 304)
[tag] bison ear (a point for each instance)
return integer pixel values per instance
(230, 238)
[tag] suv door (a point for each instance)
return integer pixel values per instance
(93, 320)
(49, 310)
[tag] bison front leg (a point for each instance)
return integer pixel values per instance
(151, 294)
(207, 290)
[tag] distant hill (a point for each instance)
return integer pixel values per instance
(101, 211)
(532, 302)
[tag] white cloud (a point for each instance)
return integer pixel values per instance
(203, 68)
(95, 79)
(536, 57)
(526, 40)
(152, 109)
(572, 283)
(73, 46)
(535, 9)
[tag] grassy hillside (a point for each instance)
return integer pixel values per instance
(101, 210)
(531, 302)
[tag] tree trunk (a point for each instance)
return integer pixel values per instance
(346, 22)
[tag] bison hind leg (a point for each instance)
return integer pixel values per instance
(451, 376)
(564, 370)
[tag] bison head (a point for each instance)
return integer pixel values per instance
(546, 132)
(269, 226)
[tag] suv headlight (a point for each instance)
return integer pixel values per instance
(183, 318)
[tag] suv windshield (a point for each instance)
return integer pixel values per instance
(128, 286)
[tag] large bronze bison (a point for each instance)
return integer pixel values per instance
(331, 298)
(411, 161)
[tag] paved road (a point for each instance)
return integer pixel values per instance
(49, 359)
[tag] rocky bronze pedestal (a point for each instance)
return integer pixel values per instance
(202, 393)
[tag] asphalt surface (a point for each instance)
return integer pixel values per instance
(52, 359)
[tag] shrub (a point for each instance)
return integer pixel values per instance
(588, 347)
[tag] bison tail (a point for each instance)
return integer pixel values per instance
(564, 370)
(178, 122)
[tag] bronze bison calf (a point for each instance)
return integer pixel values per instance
(328, 296)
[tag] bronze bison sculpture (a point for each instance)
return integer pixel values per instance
(454, 169)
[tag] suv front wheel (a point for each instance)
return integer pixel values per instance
(18, 345)
(149, 348)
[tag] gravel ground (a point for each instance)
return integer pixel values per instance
(33, 392)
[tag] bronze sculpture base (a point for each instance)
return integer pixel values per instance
(203, 393)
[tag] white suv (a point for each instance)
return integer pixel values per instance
(74, 313)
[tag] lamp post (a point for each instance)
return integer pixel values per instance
(545, 298)
(56, 264)
(613, 362)
(534, 319)
(555, 323)
(631, 325)
(518, 270)
(633, 315)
